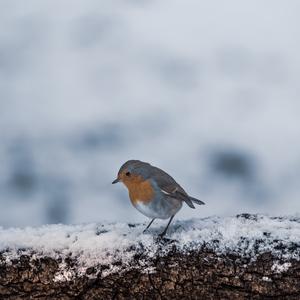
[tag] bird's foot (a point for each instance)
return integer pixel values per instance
(161, 236)
(164, 240)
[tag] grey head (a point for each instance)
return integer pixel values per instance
(134, 167)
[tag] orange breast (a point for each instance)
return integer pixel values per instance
(139, 190)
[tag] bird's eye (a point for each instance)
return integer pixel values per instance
(127, 174)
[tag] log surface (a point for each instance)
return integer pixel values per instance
(198, 272)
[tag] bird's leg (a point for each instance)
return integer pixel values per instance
(148, 225)
(165, 231)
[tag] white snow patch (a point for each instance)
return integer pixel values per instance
(64, 275)
(115, 245)
(281, 267)
(267, 279)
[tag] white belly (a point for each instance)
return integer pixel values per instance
(162, 209)
(148, 211)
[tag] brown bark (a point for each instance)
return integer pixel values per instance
(200, 274)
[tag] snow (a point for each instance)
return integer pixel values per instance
(281, 267)
(64, 274)
(109, 244)
(267, 279)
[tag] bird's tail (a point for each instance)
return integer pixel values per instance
(197, 201)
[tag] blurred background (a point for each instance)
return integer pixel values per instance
(207, 90)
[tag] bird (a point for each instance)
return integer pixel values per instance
(153, 192)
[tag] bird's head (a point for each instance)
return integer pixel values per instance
(132, 171)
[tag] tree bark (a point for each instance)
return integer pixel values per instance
(199, 274)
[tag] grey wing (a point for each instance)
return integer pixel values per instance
(170, 187)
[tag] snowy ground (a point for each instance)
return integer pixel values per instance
(106, 244)
(207, 90)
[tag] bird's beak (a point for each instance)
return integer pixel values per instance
(116, 181)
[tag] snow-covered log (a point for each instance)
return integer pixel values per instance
(247, 256)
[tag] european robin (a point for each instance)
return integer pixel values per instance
(153, 192)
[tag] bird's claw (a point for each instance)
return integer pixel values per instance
(161, 239)
(161, 236)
